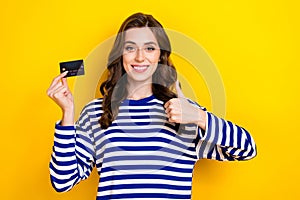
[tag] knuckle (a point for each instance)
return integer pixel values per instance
(56, 95)
(49, 93)
(172, 111)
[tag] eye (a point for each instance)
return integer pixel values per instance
(130, 49)
(150, 49)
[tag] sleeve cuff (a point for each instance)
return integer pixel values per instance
(202, 132)
(58, 126)
(212, 132)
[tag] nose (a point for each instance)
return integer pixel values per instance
(140, 56)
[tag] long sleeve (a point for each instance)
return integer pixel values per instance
(224, 141)
(72, 159)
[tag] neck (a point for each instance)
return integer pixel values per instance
(140, 91)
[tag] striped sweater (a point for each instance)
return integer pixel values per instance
(141, 155)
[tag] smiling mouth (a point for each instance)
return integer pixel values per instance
(140, 68)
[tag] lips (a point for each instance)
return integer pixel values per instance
(140, 68)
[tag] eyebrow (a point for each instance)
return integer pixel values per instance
(146, 43)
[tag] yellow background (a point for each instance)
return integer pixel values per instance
(254, 44)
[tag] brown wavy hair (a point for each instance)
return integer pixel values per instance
(114, 88)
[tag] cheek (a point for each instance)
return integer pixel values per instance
(125, 59)
(155, 58)
(126, 63)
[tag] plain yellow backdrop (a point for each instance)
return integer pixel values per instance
(254, 44)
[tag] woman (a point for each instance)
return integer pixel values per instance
(143, 138)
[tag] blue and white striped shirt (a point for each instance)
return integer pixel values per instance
(141, 155)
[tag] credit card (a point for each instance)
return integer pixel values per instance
(74, 67)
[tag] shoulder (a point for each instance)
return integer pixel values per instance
(94, 106)
(95, 102)
(195, 103)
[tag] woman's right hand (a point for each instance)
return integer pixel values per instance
(60, 93)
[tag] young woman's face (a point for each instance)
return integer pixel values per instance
(140, 55)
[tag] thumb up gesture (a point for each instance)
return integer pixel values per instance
(180, 110)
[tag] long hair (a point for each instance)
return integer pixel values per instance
(114, 88)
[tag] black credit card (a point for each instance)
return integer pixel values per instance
(74, 68)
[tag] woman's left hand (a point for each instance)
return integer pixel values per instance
(180, 110)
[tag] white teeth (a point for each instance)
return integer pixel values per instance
(140, 67)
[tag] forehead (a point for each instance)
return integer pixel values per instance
(140, 36)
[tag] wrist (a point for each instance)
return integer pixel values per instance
(68, 117)
(201, 122)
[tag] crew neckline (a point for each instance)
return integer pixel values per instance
(139, 101)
